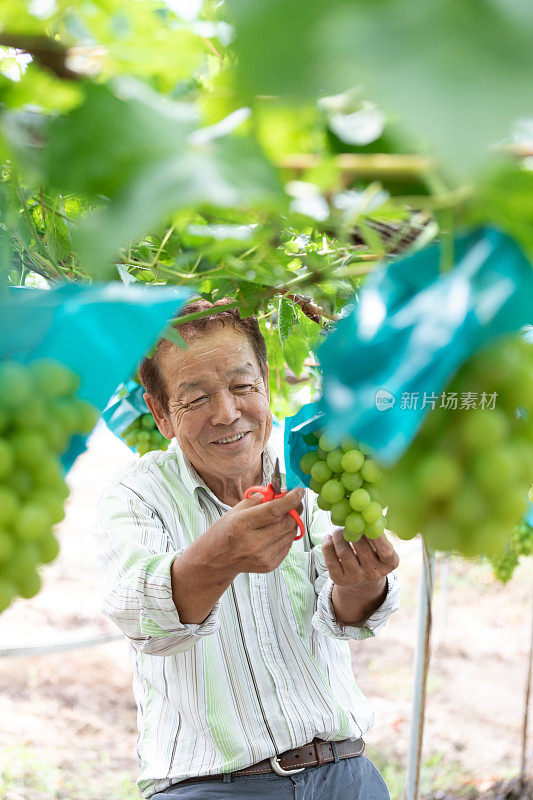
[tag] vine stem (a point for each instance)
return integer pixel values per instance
(526, 709)
(377, 165)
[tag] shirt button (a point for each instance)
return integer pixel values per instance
(268, 641)
(257, 581)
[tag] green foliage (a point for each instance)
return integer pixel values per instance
(128, 152)
(461, 97)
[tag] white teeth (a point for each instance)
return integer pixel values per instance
(233, 439)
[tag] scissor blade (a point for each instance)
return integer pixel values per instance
(275, 480)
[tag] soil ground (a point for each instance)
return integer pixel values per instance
(69, 720)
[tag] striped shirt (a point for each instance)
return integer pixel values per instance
(268, 670)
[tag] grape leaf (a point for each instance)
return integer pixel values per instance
(286, 318)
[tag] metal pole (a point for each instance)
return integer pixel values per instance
(421, 667)
(444, 580)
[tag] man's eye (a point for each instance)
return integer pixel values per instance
(197, 400)
(242, 387)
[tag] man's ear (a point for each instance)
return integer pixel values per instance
(161, 420)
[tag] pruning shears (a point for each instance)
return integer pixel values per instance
(272, 492)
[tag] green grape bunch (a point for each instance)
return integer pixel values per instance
(144, 435)
(463, 482)
(520, 544)
(347, 482)
(39, 413)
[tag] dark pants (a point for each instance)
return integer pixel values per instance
(348, 779)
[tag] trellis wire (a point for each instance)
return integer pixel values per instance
(56, 647)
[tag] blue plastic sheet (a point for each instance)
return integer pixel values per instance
(410, 332)
(124, 407)
(308, 419)
(100, 331)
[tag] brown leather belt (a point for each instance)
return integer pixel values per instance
(315, 754)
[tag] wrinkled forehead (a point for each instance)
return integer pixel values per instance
(215, 354)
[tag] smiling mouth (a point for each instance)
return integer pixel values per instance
(230, 439)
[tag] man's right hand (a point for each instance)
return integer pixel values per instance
(256, 536)
(252, 537)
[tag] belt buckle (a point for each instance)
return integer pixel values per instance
(278, 769)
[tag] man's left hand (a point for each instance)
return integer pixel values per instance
(358, 564)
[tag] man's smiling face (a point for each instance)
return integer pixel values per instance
(218, 405)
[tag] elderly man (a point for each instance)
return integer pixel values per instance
(238, 633)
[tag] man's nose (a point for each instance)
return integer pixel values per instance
(224, 409)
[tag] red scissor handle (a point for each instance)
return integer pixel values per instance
(268, 494)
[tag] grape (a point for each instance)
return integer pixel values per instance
(7, 546)
(147, 422)
(484, 429)
(375, 493)
(31, 414)
(321, 472)
(21, 483)
(315, 485)
(339, 512)
(7, 593)
(352, 461)
(332, 491)
(23, 563)
(33, 522)
(86, 416)
(56, 436)
(334, 459)
(306, 462)
(375, 529)
(354, 526)
(52, 502)
(351, 480)
(372, 512)
(310, 439)
(323, 504)
(438, 476)
(29, 585)
(370, 471)
(15, 384)
(348, 444)
(48, 548)
(53, 379)
(326, 444)
(143, 435)
(359, 499)
(39, 413)
(28, 447)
